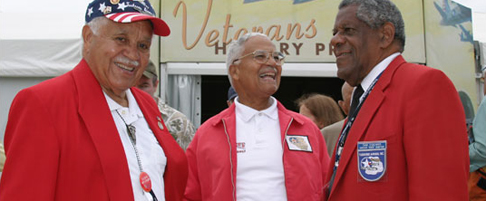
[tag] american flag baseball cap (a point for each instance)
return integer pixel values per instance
(127, 11)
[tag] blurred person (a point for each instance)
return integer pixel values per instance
(256, 149)
(88, 134)
(405, 138)
(477, 152)
(178, 124)
(331, 132)
(345, 103)
(321, 109)
(231, 96)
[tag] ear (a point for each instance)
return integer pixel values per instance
(234, 72)
(342, 105)
(387, 34)
(87, 35)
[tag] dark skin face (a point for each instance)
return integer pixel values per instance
(118, 55)
(255, 82)
(146, 84)
(358, 47)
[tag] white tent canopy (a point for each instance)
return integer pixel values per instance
(40, 38)
(38, 58)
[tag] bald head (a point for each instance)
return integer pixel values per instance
(346, 91)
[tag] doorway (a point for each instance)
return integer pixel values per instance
(214, 91)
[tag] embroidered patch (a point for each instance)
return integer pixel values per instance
(372, 160)
(298, 143)
(240, 147)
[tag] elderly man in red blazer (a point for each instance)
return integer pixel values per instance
(88, 134)
(405, 136)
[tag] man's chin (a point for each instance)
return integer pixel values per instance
(341, 73)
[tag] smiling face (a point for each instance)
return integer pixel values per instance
(253, 81)
(356, 46)
(118, 54)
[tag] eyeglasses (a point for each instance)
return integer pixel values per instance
(262, 56)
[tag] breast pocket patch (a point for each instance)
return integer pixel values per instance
(372, 159)
(298, 143)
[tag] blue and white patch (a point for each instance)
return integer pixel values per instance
(372, 160)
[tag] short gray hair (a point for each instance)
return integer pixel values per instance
(96, 24)
(375, 13)
(236, 48)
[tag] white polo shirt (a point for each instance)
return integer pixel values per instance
(151, 154)
(260, 173)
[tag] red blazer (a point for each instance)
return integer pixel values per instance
(416, 109)
(62, 144)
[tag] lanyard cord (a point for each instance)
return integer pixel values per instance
(345, 131)
(131, 135)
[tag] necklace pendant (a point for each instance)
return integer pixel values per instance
(145, 182)
(131, 133)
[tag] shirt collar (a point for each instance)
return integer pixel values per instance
(377, 70)
(132, 104)
(246, 113)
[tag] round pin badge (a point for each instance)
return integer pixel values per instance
(145, 182)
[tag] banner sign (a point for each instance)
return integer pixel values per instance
(301, 29)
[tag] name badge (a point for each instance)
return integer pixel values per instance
(372, 160)
(240, 147)
(298, 143)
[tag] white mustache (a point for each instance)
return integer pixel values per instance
(126, 61)
(270, 68)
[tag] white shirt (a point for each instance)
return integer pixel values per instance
(368, 80)
(151, 154)
(260, 174)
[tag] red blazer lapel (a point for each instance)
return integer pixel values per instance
(154, 119)
(365, 116)
(99, 122)
(175, 178)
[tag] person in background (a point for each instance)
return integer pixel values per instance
(178, 124)
(405, 138)
(231, 96)
(88, 134)
(477, 152)
(256, 149)
(321, 109)
(331, 132)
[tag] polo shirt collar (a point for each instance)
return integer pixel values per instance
(247, 113)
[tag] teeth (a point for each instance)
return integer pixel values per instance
(125, 67)
(269, 74)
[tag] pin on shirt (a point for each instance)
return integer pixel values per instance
(159, 122)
